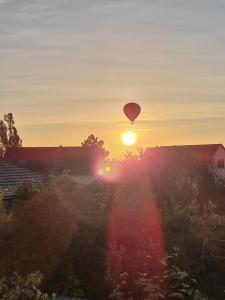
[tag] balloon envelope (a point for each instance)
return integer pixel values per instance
(132, 111)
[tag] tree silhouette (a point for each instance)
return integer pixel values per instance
(96, 146)
(3, 137)
(14, 140)
(9, 137)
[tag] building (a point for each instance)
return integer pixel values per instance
(211, 154)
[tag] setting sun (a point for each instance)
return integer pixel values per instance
(129, 138)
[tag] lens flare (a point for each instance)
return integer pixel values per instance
(108, 169)
(129, 138)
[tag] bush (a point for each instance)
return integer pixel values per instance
(23, 288)
(173, 283)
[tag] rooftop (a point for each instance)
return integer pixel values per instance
(44, 153)
(202, 152)
(13, 176)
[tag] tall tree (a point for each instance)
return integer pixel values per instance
(14, 139)
(9, 137)
(96, 146)
(3, 137)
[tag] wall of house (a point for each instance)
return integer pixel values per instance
(219, 155)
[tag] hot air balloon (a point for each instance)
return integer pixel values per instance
(132, 111)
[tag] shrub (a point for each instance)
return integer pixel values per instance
(17, 287)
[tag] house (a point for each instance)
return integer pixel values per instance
(13, 176)
(211, 154)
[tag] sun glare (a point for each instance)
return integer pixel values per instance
(129, 138)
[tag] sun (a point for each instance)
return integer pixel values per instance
(129, 138)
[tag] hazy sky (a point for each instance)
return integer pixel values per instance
(67, 67)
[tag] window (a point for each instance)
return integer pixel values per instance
(220, 163)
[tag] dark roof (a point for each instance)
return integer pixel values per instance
(13, 176)
(52, 159)
(204, 152)
(43, 153)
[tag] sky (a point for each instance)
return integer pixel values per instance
(67, 67)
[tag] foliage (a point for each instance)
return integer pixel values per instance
(130, 155)
(9, 137)
(4, 217)
(26, 191)
(69, 287)
(3, 137)
(40, 231)
(62, 182)
(82, 271)
(95, 146)
(14, 140)
(173, 283)
(22, 288)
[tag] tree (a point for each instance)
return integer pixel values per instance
(3, 137)
(14, 140)
(8, 134)
(43, 226)
(134, 155)
(96, 146)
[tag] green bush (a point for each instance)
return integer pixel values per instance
(172, 284)
(23, 288)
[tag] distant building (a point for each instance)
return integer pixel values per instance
(212, 154)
